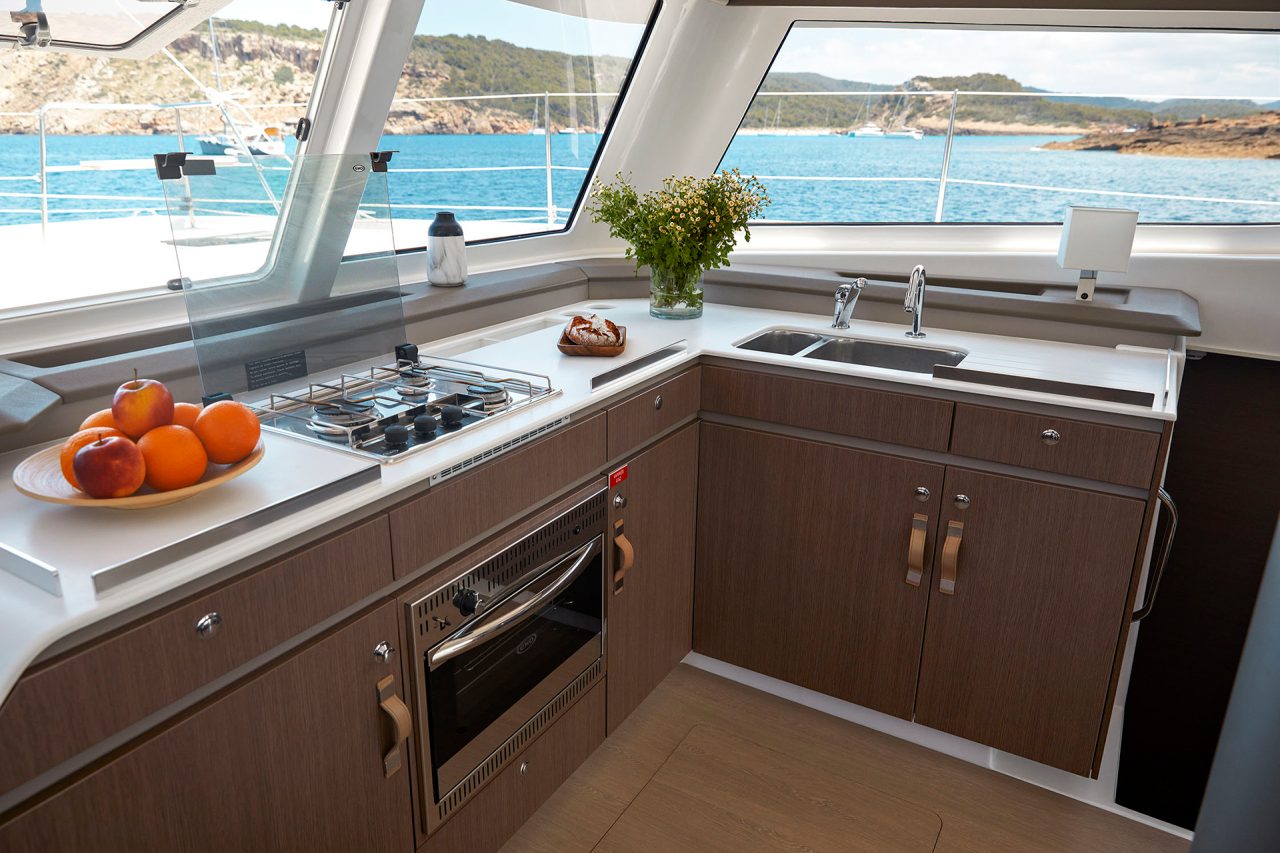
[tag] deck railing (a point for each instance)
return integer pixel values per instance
(944, 179)
(549, 210)
(44, 170)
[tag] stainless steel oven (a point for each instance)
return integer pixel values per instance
(501, 648)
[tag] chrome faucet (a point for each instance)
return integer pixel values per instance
(914, 303)
(846, 298)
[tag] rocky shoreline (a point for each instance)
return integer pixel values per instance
(1254, 137)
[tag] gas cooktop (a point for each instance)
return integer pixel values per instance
(392, 411)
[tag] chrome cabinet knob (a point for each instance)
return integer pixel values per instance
(524, 768)
(619, 501)
(1051, 437)
(208, 625)
(383, 651)
(961, 501)
(922, 494)
(657, 402)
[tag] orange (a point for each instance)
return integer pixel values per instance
(79, 440)
(185, 414)
(175, 458)
(228, 430)
(100, 418)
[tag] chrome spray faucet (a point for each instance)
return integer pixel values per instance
(846, 298)
(914, 303)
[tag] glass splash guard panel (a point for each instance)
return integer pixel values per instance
(288, 266)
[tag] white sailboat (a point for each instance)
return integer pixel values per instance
(904, 132)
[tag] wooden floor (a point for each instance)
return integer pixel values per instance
(980, 811)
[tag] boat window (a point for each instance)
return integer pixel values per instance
(871, 124)
(502, 108)
(82, 212)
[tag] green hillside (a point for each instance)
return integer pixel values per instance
(475, 65)
(810, 110)
(1023, 110)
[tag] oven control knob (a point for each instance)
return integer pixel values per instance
(424, 424)
(466, 600)
(452, 415)
(396, 435)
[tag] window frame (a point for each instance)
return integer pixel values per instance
(592, 168)
(181, 19)
(820, 23)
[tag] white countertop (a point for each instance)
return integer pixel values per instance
(80, 541)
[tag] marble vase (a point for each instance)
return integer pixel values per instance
(446, 252)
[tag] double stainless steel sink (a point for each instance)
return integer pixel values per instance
(906, 357)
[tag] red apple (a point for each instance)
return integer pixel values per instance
(110, 467)
(141, 405)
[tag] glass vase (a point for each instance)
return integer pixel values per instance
(675, 295)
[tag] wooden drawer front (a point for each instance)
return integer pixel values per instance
(68, 707)
(633, 422)
(448, 515)
(1097, 452)
(844, 409)
(485, 823)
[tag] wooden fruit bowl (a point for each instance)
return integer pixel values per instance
(568, 347)
(40, 477)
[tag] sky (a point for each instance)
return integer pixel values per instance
(1109, 62)
(495, 19)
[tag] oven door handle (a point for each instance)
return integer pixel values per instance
(504, 619)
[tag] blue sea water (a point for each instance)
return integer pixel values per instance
(1017, 160)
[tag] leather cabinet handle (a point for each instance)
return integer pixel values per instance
(950, 557)
(628, 551)
(393, 706)
(915, 551)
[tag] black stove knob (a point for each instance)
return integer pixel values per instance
(452, 415)
(396, 435)
(466, 600)
(424, 424)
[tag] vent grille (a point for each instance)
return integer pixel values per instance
(530, 730)
(495, 575)
(497, 451)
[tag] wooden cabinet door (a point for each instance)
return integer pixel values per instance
(1020, 655)
(803, 557)
(651, 614)
(292, 760)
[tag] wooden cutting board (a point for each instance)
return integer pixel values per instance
(718, 792)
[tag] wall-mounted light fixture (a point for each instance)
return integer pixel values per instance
(1096, 239)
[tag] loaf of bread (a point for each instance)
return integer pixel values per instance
(593, 331)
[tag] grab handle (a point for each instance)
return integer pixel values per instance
(1157, 569)
(393, 706)
(950, 557)
(517, 611)
(628, 551)
(915, 551)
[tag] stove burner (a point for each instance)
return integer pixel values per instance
(415, 377)
(347, 413)
(491, 395)
(414, 392)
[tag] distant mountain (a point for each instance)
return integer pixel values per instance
(275, 65)
(974, 113)
(1170, 109)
